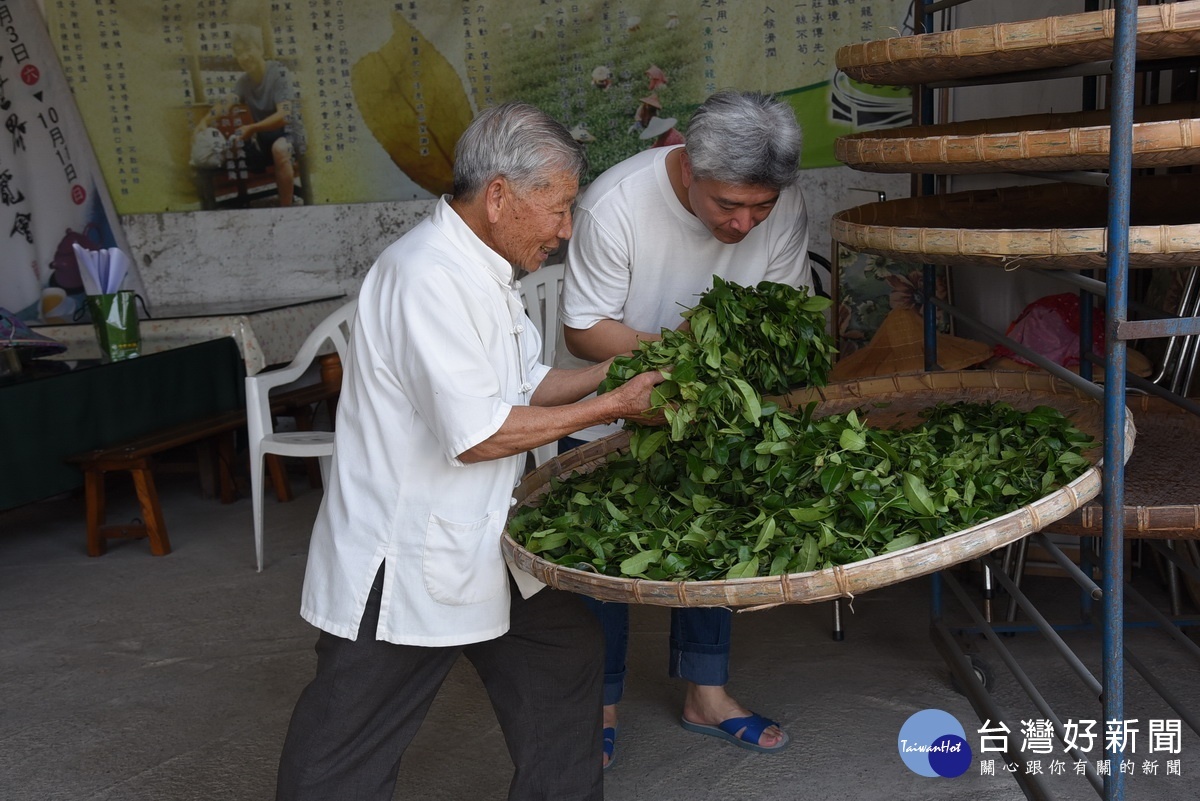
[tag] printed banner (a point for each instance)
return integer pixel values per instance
(232, 103)
(51, 191)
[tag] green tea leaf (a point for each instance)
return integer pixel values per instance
(747, 569)
(852, 440)
(918, 496)
(645, 442)
(640, 562)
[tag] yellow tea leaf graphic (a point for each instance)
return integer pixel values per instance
(399, 84)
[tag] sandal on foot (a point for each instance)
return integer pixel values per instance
(610, 744)
(754, 726)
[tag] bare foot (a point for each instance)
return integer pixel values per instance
(710, 705)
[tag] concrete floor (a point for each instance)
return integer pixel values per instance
(135, 678)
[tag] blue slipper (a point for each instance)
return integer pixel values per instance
(610, 744)
(728, 730)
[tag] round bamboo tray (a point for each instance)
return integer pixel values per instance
(1162, 486)
(1055, 225)
(1164, 135)
(889, 402)
(1164, 31)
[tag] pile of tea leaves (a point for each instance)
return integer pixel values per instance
(737, 487)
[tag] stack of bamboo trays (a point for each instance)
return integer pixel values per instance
(1059, 226)
(1054, 226)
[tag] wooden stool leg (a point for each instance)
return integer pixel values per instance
(93, 486)
(156, 527)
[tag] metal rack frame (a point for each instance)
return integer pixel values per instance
(1102, 605)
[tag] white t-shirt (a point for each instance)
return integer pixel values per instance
(639, 257)
(440, 352)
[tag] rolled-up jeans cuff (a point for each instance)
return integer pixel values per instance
(614, 688)
(710, 668)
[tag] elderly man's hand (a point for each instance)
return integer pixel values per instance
(635, 397)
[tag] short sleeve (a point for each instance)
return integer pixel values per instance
(596, 281)
(442, 363)
(789, 259)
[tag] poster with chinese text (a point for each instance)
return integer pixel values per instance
(235, 103)
(52, 194)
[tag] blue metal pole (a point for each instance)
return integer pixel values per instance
(1120, 177)
(1085, 299)
(928, 272)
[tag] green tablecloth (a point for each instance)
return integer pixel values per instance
(44, 419)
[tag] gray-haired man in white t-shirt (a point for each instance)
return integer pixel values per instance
(650, 233)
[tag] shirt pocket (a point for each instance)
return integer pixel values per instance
(461, 563)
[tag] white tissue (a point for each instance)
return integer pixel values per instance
(102, 271)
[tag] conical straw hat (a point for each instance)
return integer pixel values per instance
(898, 347)
(658, 126)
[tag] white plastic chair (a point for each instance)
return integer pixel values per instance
(260, 424)
(539, 292)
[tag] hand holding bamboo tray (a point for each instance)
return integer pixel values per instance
(889, 402)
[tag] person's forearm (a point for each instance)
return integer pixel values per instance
(270, 123)
(567, 386)
(604, 340)
(528, 427)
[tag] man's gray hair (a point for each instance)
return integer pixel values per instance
(246, 36)
(744, 138)
(517, 141)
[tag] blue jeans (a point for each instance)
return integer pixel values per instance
(699, 645)
(700, 637)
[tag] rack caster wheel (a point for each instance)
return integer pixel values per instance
(983, 674)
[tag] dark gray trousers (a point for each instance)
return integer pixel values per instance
(354, 721)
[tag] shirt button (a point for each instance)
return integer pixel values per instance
(520, 329)
(512, 501)
(526, 387)
(516, 285)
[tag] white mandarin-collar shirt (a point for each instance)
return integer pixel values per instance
(440, 351)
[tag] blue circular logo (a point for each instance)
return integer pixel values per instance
(933, 743)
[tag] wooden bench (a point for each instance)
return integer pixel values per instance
(137, 457)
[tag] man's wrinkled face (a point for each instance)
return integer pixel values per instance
(534, 222)
(729, 211)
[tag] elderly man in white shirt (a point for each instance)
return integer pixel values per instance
(442, 397)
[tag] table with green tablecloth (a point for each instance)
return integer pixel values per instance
(54, 410)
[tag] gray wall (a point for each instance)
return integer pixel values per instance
(308, 251)
(267, 254)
